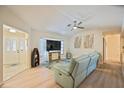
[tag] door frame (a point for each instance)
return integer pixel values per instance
(104, 50)
(104, 43)
(28, 51)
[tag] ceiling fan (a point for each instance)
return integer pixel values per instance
(75, 25)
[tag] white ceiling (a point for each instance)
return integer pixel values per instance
(56, 18)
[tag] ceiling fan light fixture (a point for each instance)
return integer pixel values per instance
(74, 27)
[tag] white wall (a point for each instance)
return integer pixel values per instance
(98, 40)
(9, 18)
(98, 44)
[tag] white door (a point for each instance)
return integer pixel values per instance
(22, 49)
(15, 50)
(11, 51)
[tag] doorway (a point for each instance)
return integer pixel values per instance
(111, 50)
(14, 51)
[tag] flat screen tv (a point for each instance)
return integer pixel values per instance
(53, 45)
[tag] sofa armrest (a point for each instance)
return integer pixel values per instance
(61, 70)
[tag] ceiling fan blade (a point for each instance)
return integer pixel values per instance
(71, 29)
(79, 23)
(69, 25)
(80, 27)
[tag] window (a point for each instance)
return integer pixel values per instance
(8, 45)
(22, 44)
(13, 44)
(62, 47)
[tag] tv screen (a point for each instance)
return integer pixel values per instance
(53, 45)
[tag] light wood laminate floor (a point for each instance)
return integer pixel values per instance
(105, 76)
(10, 70)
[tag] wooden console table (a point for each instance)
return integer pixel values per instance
(55, 55)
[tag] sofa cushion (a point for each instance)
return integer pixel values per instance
(81, 57)
(72, 65)
(81, 66)
(62, 68)
(74, 61)
(94, 58)
(93, 53)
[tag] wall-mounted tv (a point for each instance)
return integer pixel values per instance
(52, 45)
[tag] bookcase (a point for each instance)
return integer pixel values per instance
(35, 60)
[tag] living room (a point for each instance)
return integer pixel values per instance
(61, 34)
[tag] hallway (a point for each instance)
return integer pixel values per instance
(105, 76)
